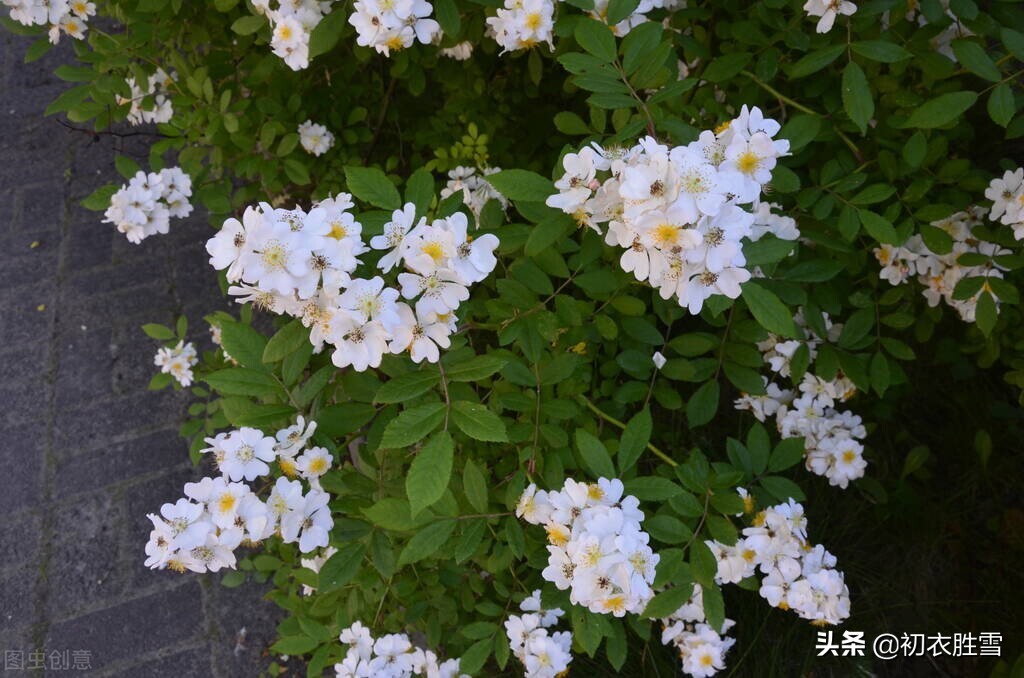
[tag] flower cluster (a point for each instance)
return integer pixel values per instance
(157, 86)
(300, 264)
(177, 361)
(476, 190)
(390, 656)
(1007, 196)
(544, 654)
(827, 11)
(796, 575)
(597, 548)
(831, 436)
(701, 648)
(677, 211)
(293, 22)
(201, 530)
(315, 138)
(62, 16)
(144, 206)
(387, 25)
(940, 274)
(522, 24)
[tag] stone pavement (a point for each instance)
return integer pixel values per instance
(86, 449)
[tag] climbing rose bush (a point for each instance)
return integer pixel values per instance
(553, 318)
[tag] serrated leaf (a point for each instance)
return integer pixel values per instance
(286, 341)
(941, 110)
(517, 184)
(407, 386)
(340, 568)
(857, 101)
(768, 309)
(371, 185)
(412, 425)
(426, 542)
(634, 439)
(478, 422)
(430, 472)
(595, 455)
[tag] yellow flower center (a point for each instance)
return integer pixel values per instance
(747, 162)
(226, 502)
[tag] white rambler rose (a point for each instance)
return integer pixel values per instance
(315, 138)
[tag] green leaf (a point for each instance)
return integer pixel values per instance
(652, 488)
(973, 57)
(702, 405)
(1001, 105)
(244, 344)
(344, 418)
(412, 426)
(243, 412)
(726, 67)
(517, 184)
(243, 381)
(294, 645)
(547, 232)
(703, 564)
(247, 25)
(474, 484)
(473, 659)
(430, 472)
(986, 314)
(371, 185)
(667, 602)
(787, 453)
(407, 386)
(815, 61)
(714, 607)
(768, 309)
(286, 341)
(448, 16)
(340, 568)
(857, 99)
(596, 39)
(878, 227)
(158, 332)
(634, 439)
(426, 542)
(478, 422)
(475, 369)
(326, 33)
(942, 110)
(296, 171)
(595, 455)
(419, 190)
(915, 149)
(881, 50)
(126, 167)
(568, 122)
(782, 488)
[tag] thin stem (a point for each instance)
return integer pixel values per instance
(444, 391)
(615, 422)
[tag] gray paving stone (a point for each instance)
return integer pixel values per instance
(191, 662)
(88, 450)
(135, 627)
(24, 477)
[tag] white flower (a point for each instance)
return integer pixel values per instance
(247, 453)
(828, 10)
(177, 362)
(307, 521)
(315, 138)
(314, 462)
